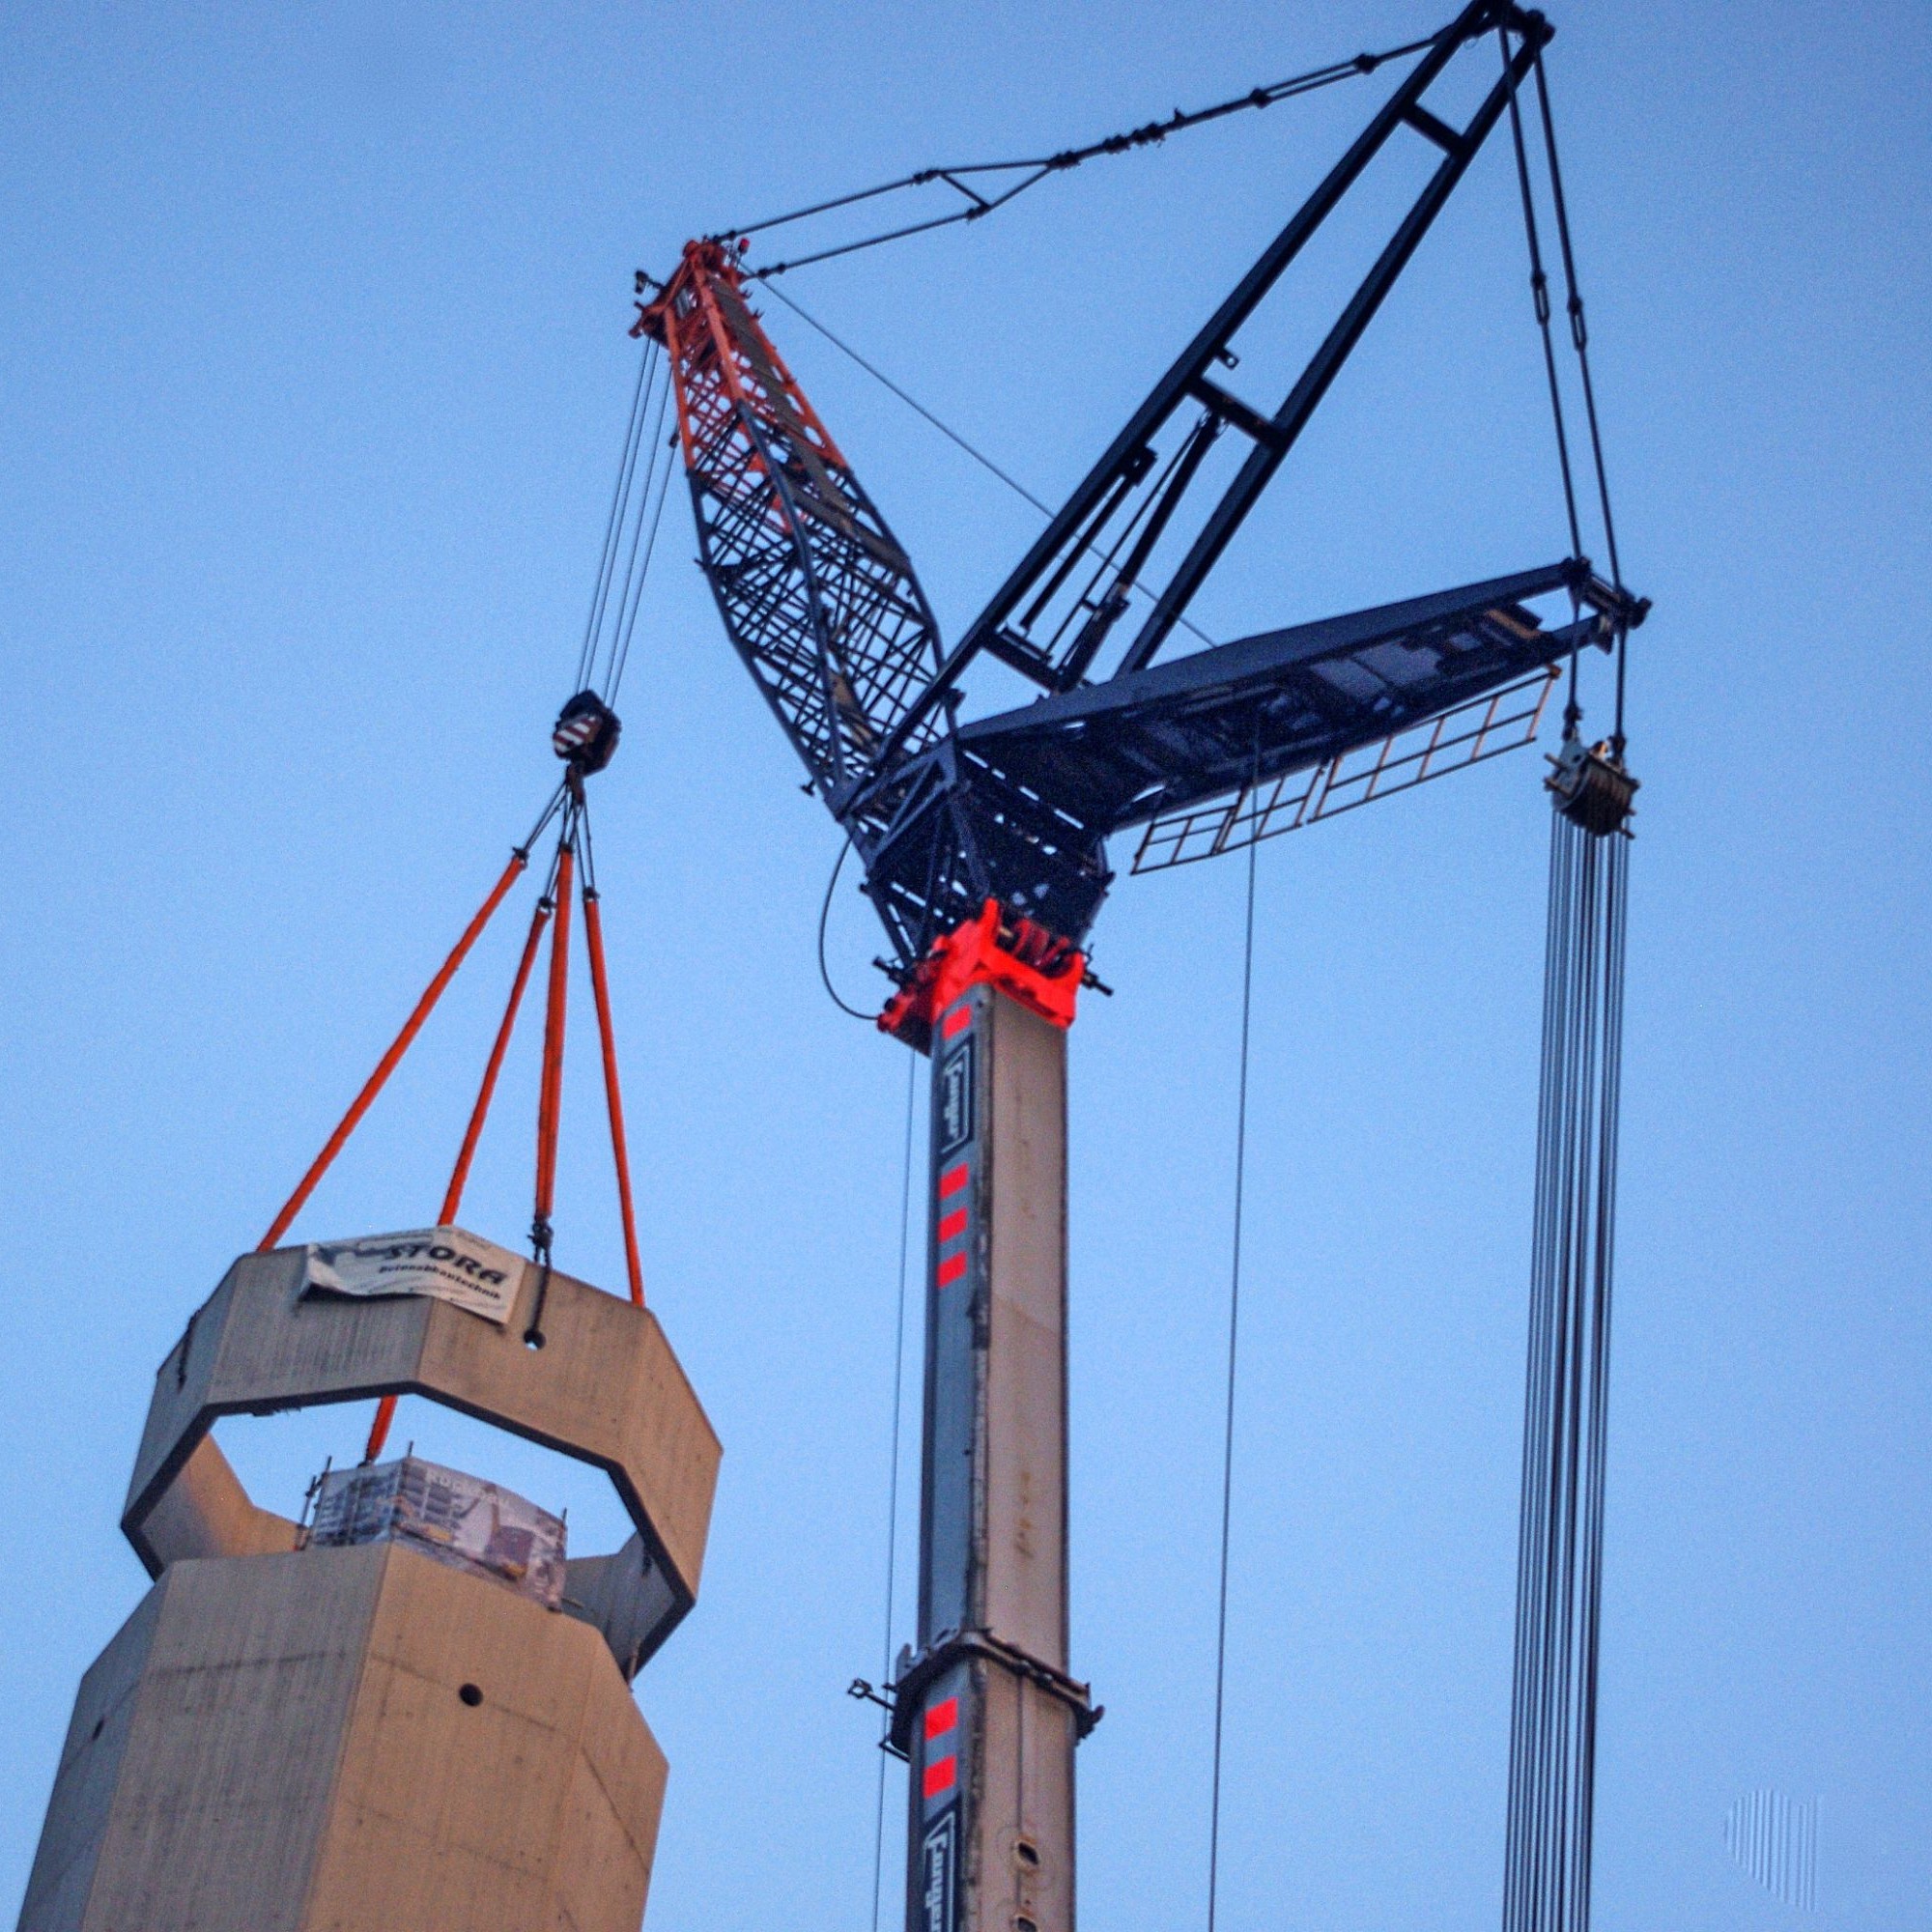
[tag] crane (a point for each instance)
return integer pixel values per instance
(983, 847)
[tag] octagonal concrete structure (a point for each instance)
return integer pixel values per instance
(286, 1738)
(604, 1389)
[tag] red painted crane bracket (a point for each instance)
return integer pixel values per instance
(1022, 958)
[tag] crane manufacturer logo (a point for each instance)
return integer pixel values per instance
(937, 1864)
(956, 1098)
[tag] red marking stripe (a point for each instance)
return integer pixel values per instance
(950, 1270)
(953, 1179)
(943, 1716)
(954, 1224)
(956, 1021)
(941, 1777)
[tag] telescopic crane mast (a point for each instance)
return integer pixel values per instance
(983, 849)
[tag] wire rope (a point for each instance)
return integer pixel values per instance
(1559, 1567)
(626, 462)
(912, 403)
(1036, 168)
(1539, 285)
(630, 529)
(633, 588)
(620, 651)
(1579, 336)
(1227, 1434)
(984, 461)
(620, 497)
(893, 1479)
(824, 911)
(1549, 1842)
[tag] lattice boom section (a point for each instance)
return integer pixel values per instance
(1485, 728)
(817, 595)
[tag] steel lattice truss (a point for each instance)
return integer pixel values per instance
(817, 593)
(1205, 751)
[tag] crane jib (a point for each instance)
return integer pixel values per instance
(822, 604)
(817, 593)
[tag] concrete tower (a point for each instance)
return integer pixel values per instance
(285, 1736)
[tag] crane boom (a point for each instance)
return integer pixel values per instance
(817, 593)
(823, 604)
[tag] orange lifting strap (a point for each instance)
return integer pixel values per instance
(555, 904)
(614, 1100)
(550, 1096)
(452, 1200)
(388, 1063)
(460, 1175)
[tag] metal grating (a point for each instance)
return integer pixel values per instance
(1483, 728)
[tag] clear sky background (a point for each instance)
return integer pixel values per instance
(314, 372)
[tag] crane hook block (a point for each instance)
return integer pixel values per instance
(1591, 787)
(586, 733)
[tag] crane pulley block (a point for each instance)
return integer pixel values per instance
(1591, 787)
(586, 733)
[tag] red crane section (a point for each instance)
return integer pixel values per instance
(817, 595)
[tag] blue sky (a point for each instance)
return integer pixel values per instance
(314, 371)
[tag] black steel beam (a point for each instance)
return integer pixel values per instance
(1291, 418)
(1206, 348)
(1018, 807)
(1148, 741)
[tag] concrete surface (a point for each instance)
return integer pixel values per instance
(359, 1739)
(606, 1389)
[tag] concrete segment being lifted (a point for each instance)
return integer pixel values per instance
(285, 1737)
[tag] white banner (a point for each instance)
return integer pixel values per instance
(443, 1262)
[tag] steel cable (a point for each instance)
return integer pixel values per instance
(631, 594)
(984, 461)
(825, 913)
(1579, 336)
(1227, 1431)
(627, 464)
(1549, 1842)
(620, 651)
(893, 1480)
(1539, 285)
(1559, 1566)
(1035, 169)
